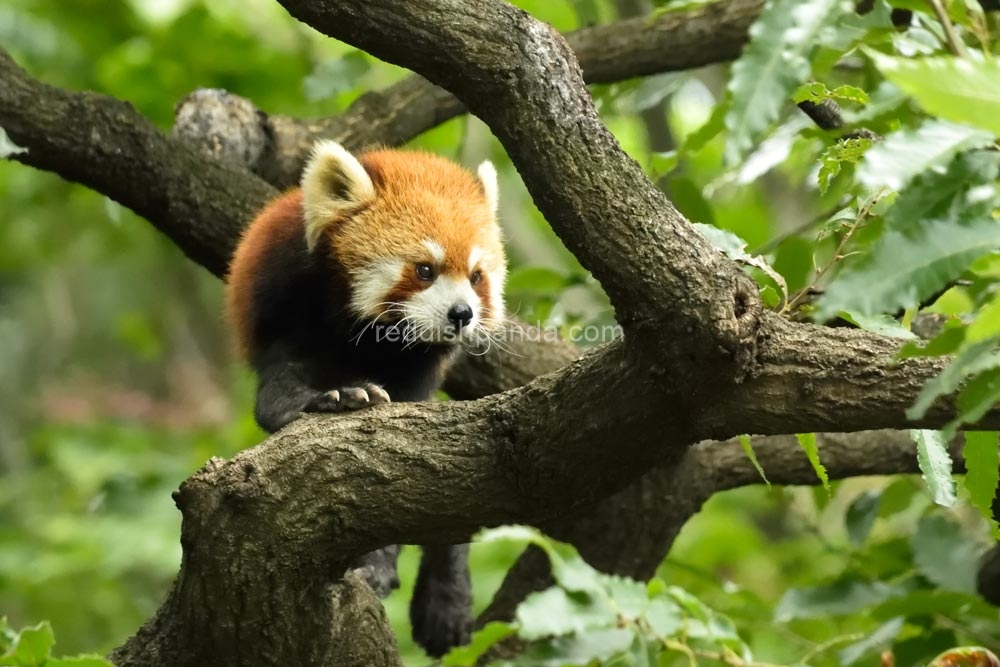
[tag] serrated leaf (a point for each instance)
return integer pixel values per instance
(881, 324)
(555, 611)
(971, 359)
(832, 159)
(977, 397)
(957, 89)
(8, 147)
(752, 455)
(816, 92)
(807, 441)
(935, 465)
(944, 554)
(907, 266)
(901, 156)
(876, 641)
(629, 597)
(861, 515)
(665, 617)
(982, 466)
(568, 569)
(577, 650)
(482, 641)
(773, 64)
(735, 248)
(840, 598)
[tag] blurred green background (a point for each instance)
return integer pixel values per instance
(117, 379)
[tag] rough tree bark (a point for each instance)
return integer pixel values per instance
(266, 535)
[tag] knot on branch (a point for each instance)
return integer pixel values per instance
(738, 330)
(225, 127)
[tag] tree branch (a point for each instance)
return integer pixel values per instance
(667, 42)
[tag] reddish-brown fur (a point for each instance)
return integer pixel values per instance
(281, 219)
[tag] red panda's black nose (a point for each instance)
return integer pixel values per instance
(460, 315)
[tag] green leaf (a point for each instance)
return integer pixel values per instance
(33, 645)
(982, 465)
(8, 147)
(944, 554)
(840, 598)
(482, 641)
(978, 396)
(883, 324)
(833, 158)
(773, 65)
(595, 647)
(752, 455)
(537, 279)
(960, 90)
(861, 516)
(665, 617)
(79, 661)
(903, 155)
(816, 92)
(876, 641)
(974, 358)
(735, 248)
(936, 228)
(909, 264)
(555, 611)
(332, 77)
(807, 441)
(935, 465)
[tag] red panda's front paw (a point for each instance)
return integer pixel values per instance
(349, 398)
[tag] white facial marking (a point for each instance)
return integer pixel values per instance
(435, 249)
(428, 309)
(497, 279)
(475, 255)
(371, 284)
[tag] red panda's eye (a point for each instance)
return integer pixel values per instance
(476, 277)
(425, 271)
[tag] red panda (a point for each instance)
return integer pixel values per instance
(356, 289)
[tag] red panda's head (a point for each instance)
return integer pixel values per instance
(416, 236)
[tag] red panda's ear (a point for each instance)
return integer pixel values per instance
(332, 181)
(488, 177)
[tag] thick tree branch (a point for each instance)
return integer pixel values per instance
(107, 145)
(670, 41)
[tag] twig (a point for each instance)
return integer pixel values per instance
(954, 43)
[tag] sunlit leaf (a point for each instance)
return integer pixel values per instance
(735, 248)
(844, 596)
(935, 465)
(945, 554)
(881, 638)
(482, 641)
(807, 441)
(957, 89)
(982, 466)
(833, 158)
(902, 155)
(752, 455)
(773, 65)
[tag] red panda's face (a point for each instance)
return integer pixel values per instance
(416, 236)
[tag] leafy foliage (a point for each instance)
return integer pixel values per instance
(116, 383)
